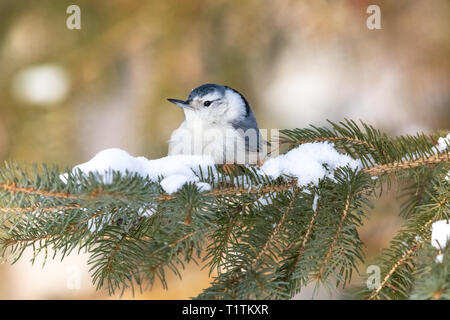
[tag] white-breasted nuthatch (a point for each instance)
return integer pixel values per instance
(219, 123)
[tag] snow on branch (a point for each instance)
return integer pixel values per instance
(308, 164)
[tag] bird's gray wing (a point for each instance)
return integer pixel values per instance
(249, 122)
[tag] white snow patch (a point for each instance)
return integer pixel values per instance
(309, 163)
(440, 233)
(314, 205)
(443, 143)
(440, 236)
(174, 170)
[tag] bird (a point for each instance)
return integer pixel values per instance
(219, 123)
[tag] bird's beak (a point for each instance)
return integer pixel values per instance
(180, 103)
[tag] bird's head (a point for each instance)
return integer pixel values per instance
(214, 103)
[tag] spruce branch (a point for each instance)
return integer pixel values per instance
(276, 232)
(305, 239)
(263, 237)
(333, 242)
(433, 278)
(399, 261)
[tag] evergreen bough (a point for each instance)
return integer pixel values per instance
(266, 241)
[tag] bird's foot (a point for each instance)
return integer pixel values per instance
(228, 167)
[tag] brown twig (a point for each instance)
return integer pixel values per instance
(11, 187)
(352, 140)
(238, 190)
(415, 246)
(37, 208)
(404, 257)
(407, 164)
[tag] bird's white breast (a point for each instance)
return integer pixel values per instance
(199, 137)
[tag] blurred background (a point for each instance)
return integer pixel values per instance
(67, 94)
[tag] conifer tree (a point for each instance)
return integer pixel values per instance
(261, 237)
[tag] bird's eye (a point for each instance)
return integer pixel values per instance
(206, 103)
